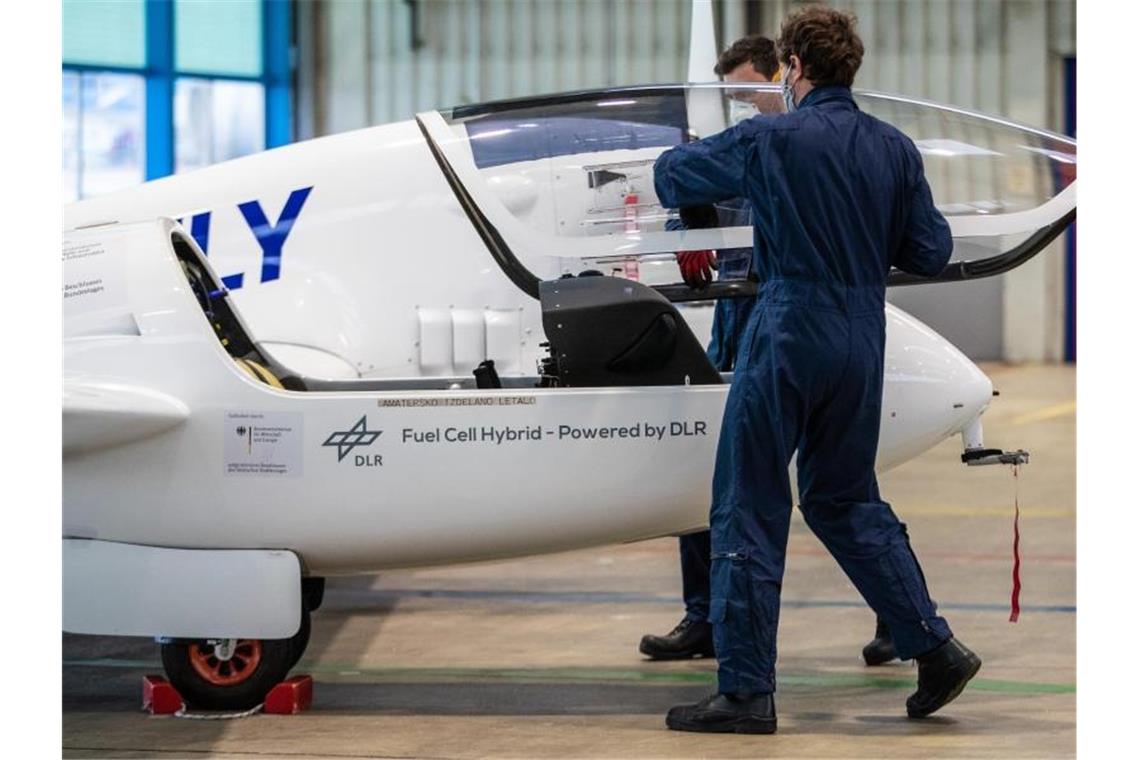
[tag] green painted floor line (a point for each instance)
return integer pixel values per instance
(346, 671)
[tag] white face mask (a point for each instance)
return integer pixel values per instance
(788, 92)
(740, 110)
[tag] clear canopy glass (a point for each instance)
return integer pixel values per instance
(571, 175)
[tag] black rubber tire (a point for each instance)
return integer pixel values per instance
(276, 660)
(300, 639)
(312, 593)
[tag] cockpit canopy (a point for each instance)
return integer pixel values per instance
(571, 175)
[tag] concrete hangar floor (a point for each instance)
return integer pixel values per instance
(538, 657)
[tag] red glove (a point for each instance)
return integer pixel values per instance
(696, 268)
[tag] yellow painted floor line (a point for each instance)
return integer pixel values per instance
(1048, 413)
(1005, 511)
(995, 511)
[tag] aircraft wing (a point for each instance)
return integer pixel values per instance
(101, 415)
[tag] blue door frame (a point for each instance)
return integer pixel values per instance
(1071, 235)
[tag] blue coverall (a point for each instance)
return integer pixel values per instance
(729, 317)
(837, 198)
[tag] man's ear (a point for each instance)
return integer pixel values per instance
(794, 63)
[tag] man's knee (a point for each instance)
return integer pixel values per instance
(854, 525)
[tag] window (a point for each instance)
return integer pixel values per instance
(101, 33)
(153, 87)
(102, 132)
(218, 36)
(215, 120)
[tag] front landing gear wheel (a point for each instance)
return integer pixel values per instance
(239, 683)
(241, 664)
(243, 679)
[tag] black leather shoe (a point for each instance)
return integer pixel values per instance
(942, 674)
(881, 649)
(690, 638)
(726, 714)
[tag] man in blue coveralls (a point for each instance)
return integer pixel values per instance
(750, 59)
(838, 198)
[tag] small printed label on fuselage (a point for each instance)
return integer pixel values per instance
(94, 275)
(420, 401)
(263, 443)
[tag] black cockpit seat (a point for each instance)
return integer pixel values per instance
(609, 331)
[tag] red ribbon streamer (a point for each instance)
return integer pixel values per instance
(1015, 596)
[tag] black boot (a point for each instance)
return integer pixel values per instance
(942, 674)
(691, 638)
(726, 714)
(881, 649)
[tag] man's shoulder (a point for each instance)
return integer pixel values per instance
(889, 131)
(774, 122)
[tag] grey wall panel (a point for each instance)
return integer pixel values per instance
(988, 44)
(451, 67)
(472, 51)
(594, 32)
(363, 62)
(547, 43)
(344, 69)
(428, 60)
(969, 315)
(1063, 22)
(988, 54)
(939, 54)
(734, 22)
(964, 55)
(886, 73)
(309, 77)
(495, 68)
(643, 44)
(868, 12)
(915, 53)
(402, 60)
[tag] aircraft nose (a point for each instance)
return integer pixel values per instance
(977, 390)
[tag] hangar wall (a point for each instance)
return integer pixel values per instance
(363, 62)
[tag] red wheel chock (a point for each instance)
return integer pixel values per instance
(289, 697)
(159, 697)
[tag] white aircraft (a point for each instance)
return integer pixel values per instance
(305, 402)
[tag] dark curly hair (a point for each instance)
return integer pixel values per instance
(755, 49)
(825, 41)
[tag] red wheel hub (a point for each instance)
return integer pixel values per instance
(243, 663)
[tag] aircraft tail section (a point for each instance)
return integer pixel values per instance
(705, 107)
(703, 42)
